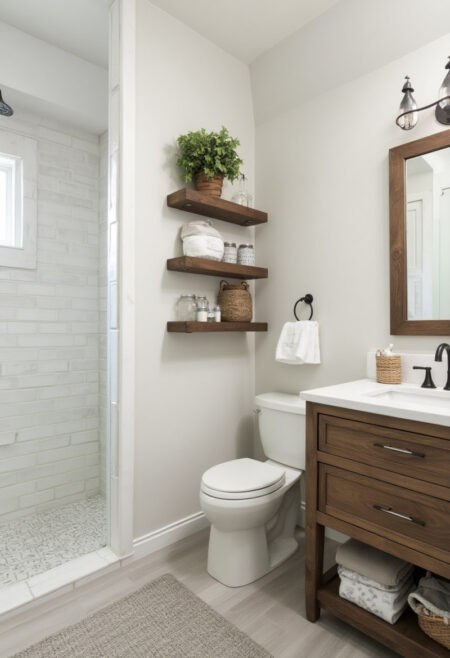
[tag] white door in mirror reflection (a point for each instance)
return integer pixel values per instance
(419, 242)
(444, 253)
(428, 235)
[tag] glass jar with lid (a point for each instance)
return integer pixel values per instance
(186, 308)
(202, 309)
(246, 255)
(230, 252)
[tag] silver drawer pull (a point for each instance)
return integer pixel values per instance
(401, 450)
(389, 510)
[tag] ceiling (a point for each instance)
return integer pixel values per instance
(244, 28)
(79, 27)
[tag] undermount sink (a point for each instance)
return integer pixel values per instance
(430, 399)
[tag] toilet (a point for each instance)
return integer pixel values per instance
(252, 505)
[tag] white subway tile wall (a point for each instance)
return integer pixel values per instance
(53, 331)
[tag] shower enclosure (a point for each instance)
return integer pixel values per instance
(53, 365)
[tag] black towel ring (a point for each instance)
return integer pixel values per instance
(308, 299)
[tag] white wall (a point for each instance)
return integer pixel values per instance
(193, 392)
(46, 79)
(49, 323)
(349, 40)
(322, 173)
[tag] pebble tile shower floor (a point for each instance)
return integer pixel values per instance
(33, 544)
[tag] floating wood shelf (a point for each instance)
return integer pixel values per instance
(215, 268)
(202, 327)
(405, 636)
(215, 207)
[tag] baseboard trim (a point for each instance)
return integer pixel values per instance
(169, 534)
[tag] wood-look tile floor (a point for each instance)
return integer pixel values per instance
(271, 611)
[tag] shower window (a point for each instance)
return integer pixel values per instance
(10, 201)
(18, 212)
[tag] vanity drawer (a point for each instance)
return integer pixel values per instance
(405, 516)
(415, 455)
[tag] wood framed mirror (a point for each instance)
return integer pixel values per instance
(419, 196)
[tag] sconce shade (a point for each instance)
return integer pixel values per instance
(409, 105)
(445, 88)
(443, 108)
(5, 109)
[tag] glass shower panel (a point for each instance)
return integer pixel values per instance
(53, 361)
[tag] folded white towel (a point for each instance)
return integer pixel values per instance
(386, 605)
(299, 343)
(372, 563)
(368, 582)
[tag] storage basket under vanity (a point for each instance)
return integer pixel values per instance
(389, 369)
(434, 626)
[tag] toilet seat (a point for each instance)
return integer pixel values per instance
(241, 479)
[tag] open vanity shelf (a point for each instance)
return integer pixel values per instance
(405, 634)
(215, 268)
(216, 208)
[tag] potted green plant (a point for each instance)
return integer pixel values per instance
(208, 158)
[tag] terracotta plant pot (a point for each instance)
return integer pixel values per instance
(212, 186)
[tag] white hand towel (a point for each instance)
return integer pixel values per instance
(299, 343)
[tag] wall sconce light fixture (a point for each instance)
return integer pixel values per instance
(408, 116)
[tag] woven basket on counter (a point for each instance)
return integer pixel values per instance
(434, 626)
(389, 370)
(235, 302)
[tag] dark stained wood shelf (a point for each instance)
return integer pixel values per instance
(405, 636)
(203, 327)
(202, 204)
(215, 268)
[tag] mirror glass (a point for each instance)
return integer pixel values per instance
(427, 198)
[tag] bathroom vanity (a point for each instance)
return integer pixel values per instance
(378, 470)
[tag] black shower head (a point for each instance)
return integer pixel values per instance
(5, 109)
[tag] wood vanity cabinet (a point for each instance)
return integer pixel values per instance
(386, 482)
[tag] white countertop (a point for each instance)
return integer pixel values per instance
(407, 401)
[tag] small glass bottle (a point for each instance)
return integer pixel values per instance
(217, 314)
(211, 316)
(242, 196)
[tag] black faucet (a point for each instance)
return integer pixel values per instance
(438, 357)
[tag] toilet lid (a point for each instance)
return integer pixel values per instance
(242, 478)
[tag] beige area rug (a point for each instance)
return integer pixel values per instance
(163, 619)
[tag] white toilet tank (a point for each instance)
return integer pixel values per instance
(281, 419)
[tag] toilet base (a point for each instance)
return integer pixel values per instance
(239, 558)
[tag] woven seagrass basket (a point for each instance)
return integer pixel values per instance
(435, 627)
(389, 369)
(235, 302)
